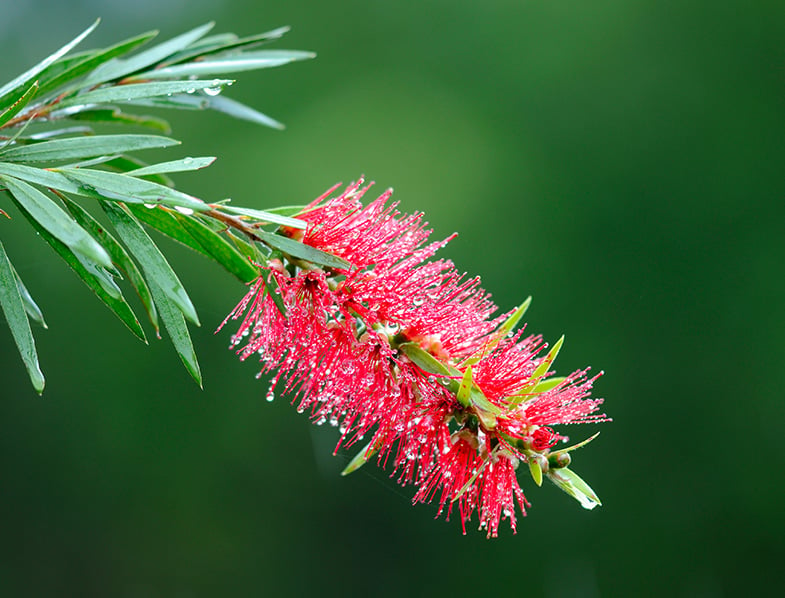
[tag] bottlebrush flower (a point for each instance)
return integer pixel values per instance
(405, 350)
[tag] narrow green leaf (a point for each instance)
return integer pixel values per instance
(249, 250)
(14, 310)
(162, 220)
(120, 187)
(545, 364)
(360, 459)
(511, 322)
(547, 385)
(56, 221)
(302, 251)
(220, 249)
(93, 60)
(128, 163)
(572, 484)
(136, 91)
(84, 147)
(39, 176)
(221, 43)
(184, 165)
(537, 376)
(240, 111)
(481, 402)
(246, 61)
(117, 116)
(54, 133)
(576, 446)
(424, 360)
(288, 211)
(182, 101)
(94, 278)
(31, 307)
(17, 106)
(153, 263)
(19, 131)
(465, 389)
(175, 325)
(271, 285)
(118, 253)
(536, 470)
(117, 68)
(8, 93)
(265, 216)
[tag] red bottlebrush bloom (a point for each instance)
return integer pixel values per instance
(405, 351)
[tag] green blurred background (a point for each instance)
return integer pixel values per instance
(622, 162)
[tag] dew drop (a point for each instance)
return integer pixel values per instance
(212, 91)
(270, 396)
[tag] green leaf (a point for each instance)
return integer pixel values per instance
(94, 278)
(511, 322)
(302, 251)
(183, 165)
(56, 221)
(545, 364)
(175, 325)
(93, 60)
(162, 220)
(14, 310)
(136, 91)
(31, 307)
(120, 187)
(240, 111)
(153, 263)
(126, 164)
(118, 253)
(246, 61)
(576, 446)
(117, 68)
(53, 133)
(83, 147)
(425, 361)
(183, 101)
(537, 376)
(536, 470)
(572, 484)
(360, 459)
(199, 101)
(40, 176)
(221, 43)
(547, 385)
(116, 116)
(265, 216)
(220, 249)
(465, 389)
(10, 92)
(271, 285)
(289, 211)
(249, 250)
(17, 106)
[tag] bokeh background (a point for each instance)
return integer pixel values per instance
(621, 161)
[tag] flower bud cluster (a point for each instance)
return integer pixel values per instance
(402, 352)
